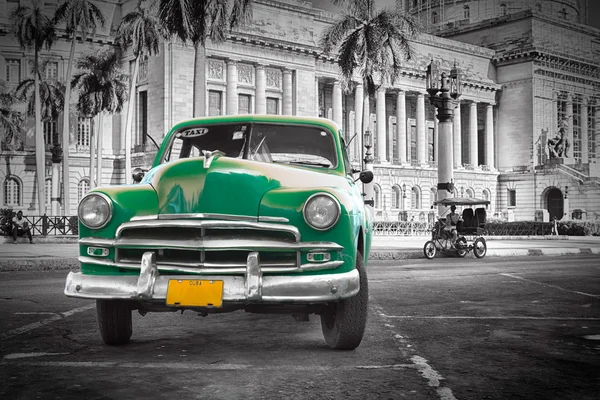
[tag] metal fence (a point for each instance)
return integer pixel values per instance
(401, 228)
(45, 225)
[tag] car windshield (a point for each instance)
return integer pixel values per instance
(277, 143)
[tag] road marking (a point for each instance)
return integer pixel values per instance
(551, 286)
(34, 313)
(501, 317)
(15, 356)
(419, 363)
(189, 366)
(35, 325)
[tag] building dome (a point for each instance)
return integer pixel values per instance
(441, 14)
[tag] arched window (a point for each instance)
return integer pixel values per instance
(12, 192)
(470, 193)
(377, 196)
(466, 12)
(82, 188)
(434, 17)
(415, 198)
(486, 194)
(396, 197)
(433, 195)
(502, 9)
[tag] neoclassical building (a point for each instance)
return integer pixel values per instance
(526, 65)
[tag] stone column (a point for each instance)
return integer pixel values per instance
(597, 125)
(381, 126)
(489, 135)
(554, 119)
(317, 105)
(337, 103)
(473, 134)
(436, 138)
(401, 125)
(260, 98)
(99, 150)
(457, 137)
(57, 158)
(421, 136)
(231, 104)
(359, 95)
(367, 114)
(287, 92)
(569, 115)
(584, 131)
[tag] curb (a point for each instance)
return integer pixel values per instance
(72, 264)
(415, 254)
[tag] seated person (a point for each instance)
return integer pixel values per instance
(21, 227)
(451, 222)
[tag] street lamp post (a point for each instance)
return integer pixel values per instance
(368, 160)
(444, 92)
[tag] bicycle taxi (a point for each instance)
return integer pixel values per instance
(470, 228)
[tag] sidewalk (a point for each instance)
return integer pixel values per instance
(62, 252)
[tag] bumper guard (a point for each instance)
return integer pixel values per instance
(253, 287)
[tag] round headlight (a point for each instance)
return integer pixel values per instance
(95, 210)
(321, 211)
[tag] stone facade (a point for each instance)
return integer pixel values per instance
(515, 88)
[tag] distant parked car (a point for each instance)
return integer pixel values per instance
(247, 212)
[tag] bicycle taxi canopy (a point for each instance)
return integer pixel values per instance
(461, 201)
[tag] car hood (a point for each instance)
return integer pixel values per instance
(228, 185)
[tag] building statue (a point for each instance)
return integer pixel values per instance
(559, 145)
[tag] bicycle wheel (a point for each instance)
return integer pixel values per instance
(462, 248)
(479, 247)
(429, 249)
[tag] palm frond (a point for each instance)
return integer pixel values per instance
(240, 14)
(101, 84)
(334, 34)
(79, 16)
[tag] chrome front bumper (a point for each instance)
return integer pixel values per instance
(253, 287)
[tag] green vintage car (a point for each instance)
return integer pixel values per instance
(249, 212)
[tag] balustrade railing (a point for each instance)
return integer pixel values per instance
(401, 228)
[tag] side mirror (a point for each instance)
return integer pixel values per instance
(137, 174)
(366, 176)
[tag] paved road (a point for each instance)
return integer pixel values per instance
(440, 329)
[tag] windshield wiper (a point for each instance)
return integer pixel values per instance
(316, 164)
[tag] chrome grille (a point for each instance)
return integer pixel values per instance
(210, 246)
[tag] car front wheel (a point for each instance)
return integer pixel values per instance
(343, 323)
(114, 320)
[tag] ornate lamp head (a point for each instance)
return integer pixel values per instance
(368, 139)
(433, 78)
(455, 82)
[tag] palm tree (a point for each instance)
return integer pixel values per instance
(52, 95)
(10, 119)
(141, 31)
(33, 29)
(193, 22)
(81, 17)
(372, 42)
(102, 88)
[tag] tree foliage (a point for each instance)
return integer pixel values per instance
(101, 84)
(373, 43)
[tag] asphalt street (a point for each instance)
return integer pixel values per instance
(446, 329)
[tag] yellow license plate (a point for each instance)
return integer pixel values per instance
(194, 292)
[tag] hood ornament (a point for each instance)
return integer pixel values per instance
(209, 156)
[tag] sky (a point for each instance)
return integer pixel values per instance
(593, 8)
